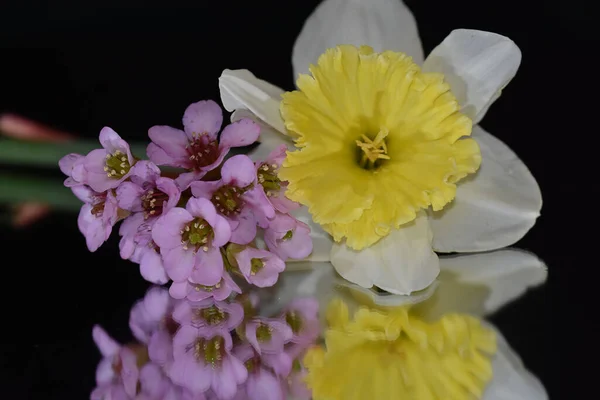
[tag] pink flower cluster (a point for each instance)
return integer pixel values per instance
(202, 225)
(209, 349)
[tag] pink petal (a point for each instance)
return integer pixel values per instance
(203, 116)
(245, 229)
(263, 385)
(232, 374)
(84, 193)
(167, 229)
(187, 178)
(259, 201)
(104, 371)
(238, 171)
(202, 208)
(222, 231)
(209, 267)
(280, 362)
(129, 371)
(108, 346)
(178, 290)
(160, 347)
(129, 196)
(173, 144)
(178, 263)
(170, 188)
(187, 372)
(251, 327)
(111, 141)
(144, 171)
(240, 133)
(91, 227)
(66, 163)
(205, 189)
(152, 269)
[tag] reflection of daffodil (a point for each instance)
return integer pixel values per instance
(378, 140)
(429, 345)
(395, 355)
(492, 208)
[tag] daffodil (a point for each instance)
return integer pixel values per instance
(379, 140)
(433, 344)
(378, 162)
(393, 354)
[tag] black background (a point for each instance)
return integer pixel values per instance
(79, 66)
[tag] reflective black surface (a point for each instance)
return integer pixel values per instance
(80, 67)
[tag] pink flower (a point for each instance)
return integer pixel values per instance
(268, 335)
(259, 267)
(209, 315)
(137, 246)
(150, 313)
(261, 384)
(189, 241)
(203, 361)
(147, 191)
(302, 317)
(155, 385)
(97, 216)
(238, 197)
(274, 188)
(288, 238)
(118, 371)
(196, 148)
(196, 292)
(294, 383)
(72, 166)
(106, 168)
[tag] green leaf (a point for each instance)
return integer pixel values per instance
(47, 154)
(15, 189)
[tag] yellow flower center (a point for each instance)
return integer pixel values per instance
(378, 140)
(394, 355)
(372, 151)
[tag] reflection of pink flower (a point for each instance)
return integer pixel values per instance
(203, 361)
(259, 267)
(117, 374)
(97, 216)
(197, 148)
(189, 241)
(106, 168)
(261, 384)
(209, 315)
(267, 171)
(301, 316)
(238, 198)
(288, 238)
(196, 292)
(268, 335)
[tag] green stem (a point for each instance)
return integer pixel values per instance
(47, 154)
(16, 189)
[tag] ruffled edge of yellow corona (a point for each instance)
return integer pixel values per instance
(394, 355)
(356, 207)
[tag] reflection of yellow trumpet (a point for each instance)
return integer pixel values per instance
(393, 354)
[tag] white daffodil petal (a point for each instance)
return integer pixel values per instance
(480, 284)
(372, 298)
(401, 263)
(269, 138)
(511, 379)
(381, 24)
(477, 65)
(494, 207)
(240, 89)
(322, 241)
